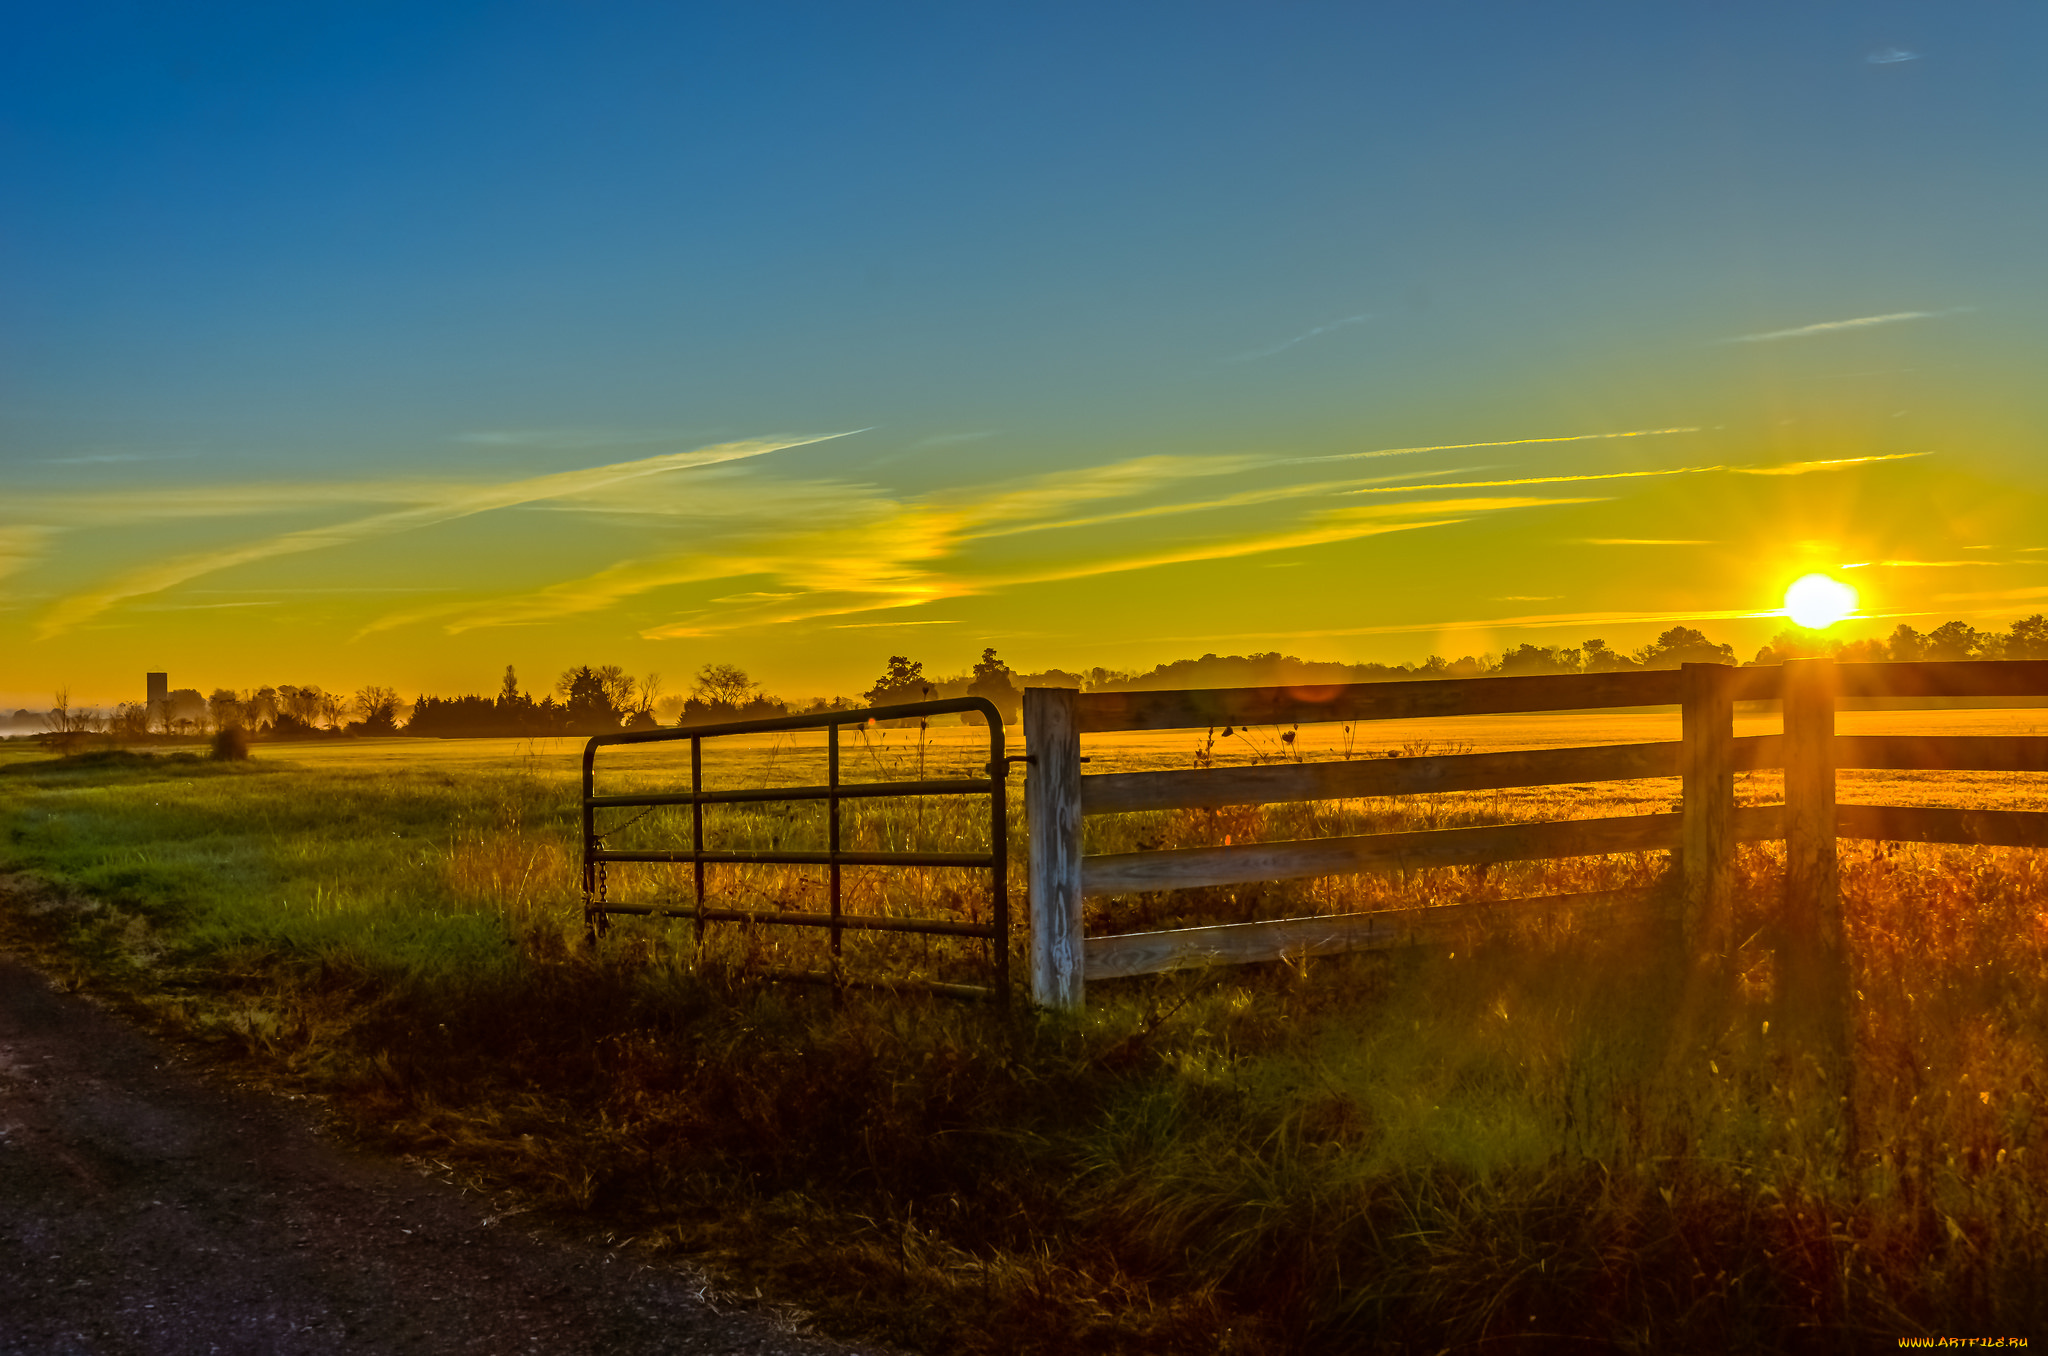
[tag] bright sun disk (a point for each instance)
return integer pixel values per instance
(1817, 602)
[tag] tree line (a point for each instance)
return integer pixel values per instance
(601, 699)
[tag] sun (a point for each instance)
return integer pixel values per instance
(1817, 602)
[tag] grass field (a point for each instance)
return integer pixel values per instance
(1522, 1137)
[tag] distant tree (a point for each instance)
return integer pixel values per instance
(723, 685)
(65, 724)
(1600, 659)
(333, 706)
(1683, 645)
(377, 711)
(649, 697)
(589, 709)
(1871, 651)
(1795, 642)
(1906, 644)
(508, 690)
(619, 686)
(902, 681)
(184, 704)
(1955, 640)
(1533, 659)
(224, 708)
(2028, 638)
(994, 680)
(130, 720)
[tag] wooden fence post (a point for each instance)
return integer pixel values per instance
(1706, 857)
(1052, 806)
(1813, 958)
(1813, 904)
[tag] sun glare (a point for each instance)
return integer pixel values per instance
(1817, 602)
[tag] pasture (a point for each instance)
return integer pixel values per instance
(1515, 1136)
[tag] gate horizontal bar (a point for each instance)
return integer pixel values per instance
(958, 786)
(813, 720)
(980, 859)
(944, 927)
(1145, 953)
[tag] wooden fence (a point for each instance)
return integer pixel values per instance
(1702, 834)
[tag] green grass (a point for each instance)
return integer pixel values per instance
(1518, 1137)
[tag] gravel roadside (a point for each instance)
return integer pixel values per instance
(146, 1207)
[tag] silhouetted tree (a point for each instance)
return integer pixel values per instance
(994, 680)
(902, 681)
(589, 708)
(2028, 638)
(1531, 659)
(1683, 645)
(376, 710)
(1956, 640)
(723, 685)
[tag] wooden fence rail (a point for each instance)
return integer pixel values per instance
(1701, 834)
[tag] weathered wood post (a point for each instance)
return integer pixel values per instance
(1052, 806)
(1707, 828)
(1813, 975)
(1813, 900)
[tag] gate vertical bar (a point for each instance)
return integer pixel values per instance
(1052, 804)
(999, 856)
(1706, 857)
(589, 838)
(697, 826)
(832, 827)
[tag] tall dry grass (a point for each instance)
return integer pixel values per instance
(1520, 1137)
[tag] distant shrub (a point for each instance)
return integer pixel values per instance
(231, 744)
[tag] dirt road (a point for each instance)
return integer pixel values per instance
(146, 1208)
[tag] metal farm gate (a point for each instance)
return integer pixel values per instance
(597, 857)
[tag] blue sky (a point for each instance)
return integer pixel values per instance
(266, 272)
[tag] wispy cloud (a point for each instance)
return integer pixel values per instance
(20, 545)
(1255, 354)
(876, 626)
(1646, 541)
(1498, 442)
(573, 439)
(1922, 564)
(116, 458)
(1800, 468)
(116, 508)
(1891, 56)
(1539, 480)
(1861, 322)
(1245, 499)
(2001, 596)
(1539, 621)
(469, 500)
(777, 550)
(1338, 525)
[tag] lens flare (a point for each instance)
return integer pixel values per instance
(1817, 602)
